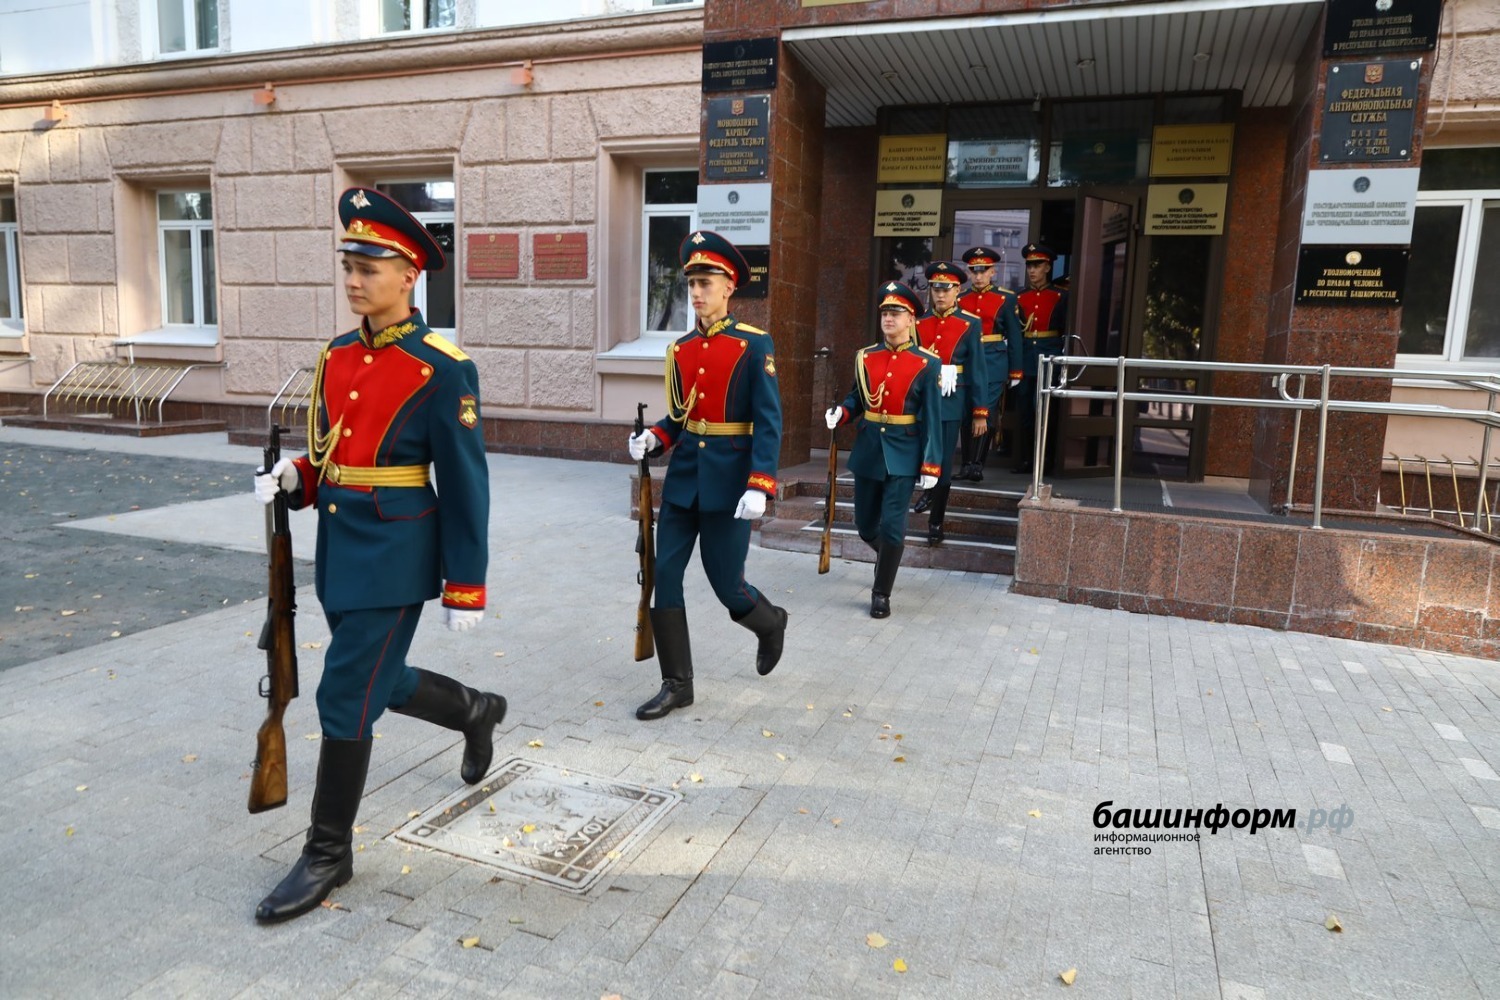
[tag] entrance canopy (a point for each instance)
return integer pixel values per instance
(1084, 51)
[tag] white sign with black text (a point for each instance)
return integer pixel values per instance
(741, 213)
(1374, 206)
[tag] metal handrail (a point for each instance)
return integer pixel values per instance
(1054, 381)
(120, 384)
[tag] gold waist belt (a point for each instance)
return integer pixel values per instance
(890, 418)
(993, 338)
(379, 475)
(1042, 334)
(707, 428)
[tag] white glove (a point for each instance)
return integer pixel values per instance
(752, 505)
(926, 482)
(948, 379)
(641, 444)
(833, 416)
(1014, 382)
(462, 619)
(282, 477)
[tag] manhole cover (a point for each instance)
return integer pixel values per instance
(542, 823)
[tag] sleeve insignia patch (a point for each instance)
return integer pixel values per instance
(468, 411)
(770, 366)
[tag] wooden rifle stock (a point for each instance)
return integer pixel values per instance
(278, 638)
(825, 553)
(645, 547)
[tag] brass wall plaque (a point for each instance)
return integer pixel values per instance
(738, 138)
(493, 256)
(1370, 111)
(559, 256)
(1351, 276)
(912, 159)
(1192, 150)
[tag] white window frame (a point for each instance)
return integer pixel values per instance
(419, 293)
(10, 239)
(197, 227)
(418, 19)
(151, 29)
(648, 212)
(1461, 295)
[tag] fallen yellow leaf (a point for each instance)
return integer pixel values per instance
(802, 811)
(1332, 923)
(529, 828)
(67, 614)
(875, 940)
(329, 904)
(517, 920)
(836, 821)
(312, 645)
(598, 704)
(780, 756)
(68, 832)
(507, 843)
(1209, 692)
(81, 788)
(1035, 814)
(611, 854)
(809, 706)
(848, 715)
(899, 965)
(535, 743)
(882, 736)
(897, 736)
(695, 777)
(189, 758)
(406, 869)
(899, 759)
(499, 653)
(886, 725)
(1386, 708)
(312, 736)
(413, 814)
(469, 942)
(1068, 977)
(767, 733)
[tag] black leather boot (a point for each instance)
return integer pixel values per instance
(976, 471)
(327, 861)
(939, 511)
(768, 622)
(674, 654)
(886, 564)
(445, 702)
(924, 502)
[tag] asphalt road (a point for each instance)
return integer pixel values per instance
(64, 588)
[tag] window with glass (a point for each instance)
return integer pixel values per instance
(993, 147)
(187, 25)
(417, 15)
(669, 213)
(185, 242)
(10, 261)
(1449, 312)
(431, 203)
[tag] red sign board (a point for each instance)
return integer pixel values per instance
(559, 256)
(494, 255)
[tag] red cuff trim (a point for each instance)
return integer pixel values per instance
(843, 415)
(931, 469)
(462, 595)
(309, 480)
(981, 411)
(760, 481)
(1017, 374)
(661, 436)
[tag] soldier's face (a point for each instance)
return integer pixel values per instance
(1038, 273)
(709, 292)
(376, 286)
(895, 326)
(983, 273)
(944, 295)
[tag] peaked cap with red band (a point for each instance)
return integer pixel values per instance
(942, 270)
(895, 295)
(1038, 251)
(705, 250)
(375, 226)
(981, 256)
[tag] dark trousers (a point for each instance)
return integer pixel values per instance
(723, 542)
(365, 670)
(880, 507)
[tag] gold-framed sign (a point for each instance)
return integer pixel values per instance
(1185, 209)
(912, 159)
(914, 212)
(1192, 150)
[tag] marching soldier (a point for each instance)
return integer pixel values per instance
(723, 425)
(900, 438)
(954, 336)
(1043, 310)
(390, 399)
(996, 309)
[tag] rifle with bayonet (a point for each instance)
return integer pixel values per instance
(825, 553)
(278, 638)
(645, 547)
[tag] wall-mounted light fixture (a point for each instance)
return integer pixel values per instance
(266, 96)
(55, 112)
(522, 76)
(1087, 62)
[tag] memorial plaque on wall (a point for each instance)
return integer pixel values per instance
(749, 64)
(1359, 207)
(738, 138)
(1351, 276)
(493, 256)
(1370, 112)
(1358, 27)
(759, 259)
(559, 256)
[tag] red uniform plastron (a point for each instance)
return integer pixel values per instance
(941, 334)
(1036, 306)
(366, 396)
(896, 370)
(986, 305)
(463, 595)
(705, 366)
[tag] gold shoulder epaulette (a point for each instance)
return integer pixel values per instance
(1007, 291)
(438, 342)
(969, 314)
(749, 329)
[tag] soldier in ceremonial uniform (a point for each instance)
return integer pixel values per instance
(723, 426)
(955, 337)
(1043, 309)
(900, 438)
(391, 399)
(996, 309)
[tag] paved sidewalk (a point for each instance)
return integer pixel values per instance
(132, 869)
